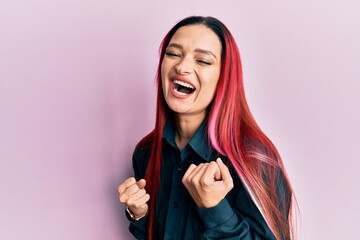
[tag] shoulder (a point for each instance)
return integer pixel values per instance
(141, 156)
(143, 148)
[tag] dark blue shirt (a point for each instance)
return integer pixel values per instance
(176, 214)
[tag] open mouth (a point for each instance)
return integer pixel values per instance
(183, 88)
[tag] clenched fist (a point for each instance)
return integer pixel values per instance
(208, 183)
(134, 195)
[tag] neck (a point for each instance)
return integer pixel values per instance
(186, 127)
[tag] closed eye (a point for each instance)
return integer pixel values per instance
(172, 54)
(203, 62)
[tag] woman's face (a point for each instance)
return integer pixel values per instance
(190, 70)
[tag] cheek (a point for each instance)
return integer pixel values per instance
(162, 74)
(165, 67)
(216, 80)
(211, 88)
(212, 82)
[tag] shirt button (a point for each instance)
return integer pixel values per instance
(179, 168)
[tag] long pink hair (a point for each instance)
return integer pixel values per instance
(233, 132)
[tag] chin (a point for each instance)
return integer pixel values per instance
(178, 110)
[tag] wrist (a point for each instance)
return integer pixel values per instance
(134, 216)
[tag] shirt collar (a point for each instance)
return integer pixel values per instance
(199, 142)
(169, 132)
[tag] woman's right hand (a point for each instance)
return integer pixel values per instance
(134, 195)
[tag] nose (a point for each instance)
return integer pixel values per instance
(183, 66)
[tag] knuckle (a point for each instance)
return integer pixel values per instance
(191, 168)
(142, 192)
(147, 197)
(230, 184)
(122, 187)
(132, 188)
(194, 181)
(130, 202)
(205, 182)
(185, 180)
(131, 179)
(122, 199)
(137, 205)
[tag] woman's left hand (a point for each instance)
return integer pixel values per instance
(208, 183)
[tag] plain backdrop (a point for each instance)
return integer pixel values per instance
(77, 93)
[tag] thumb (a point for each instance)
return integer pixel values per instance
(141, 183)
(224, 170)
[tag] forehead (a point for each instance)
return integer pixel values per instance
(197, 36)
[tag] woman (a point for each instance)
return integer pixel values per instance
(206, 171)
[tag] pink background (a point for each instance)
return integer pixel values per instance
(77, 93)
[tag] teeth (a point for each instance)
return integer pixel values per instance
(184, 84)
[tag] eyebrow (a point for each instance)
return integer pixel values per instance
(176, 45)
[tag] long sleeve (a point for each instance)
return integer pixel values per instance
(139, 228)
(224, 222)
